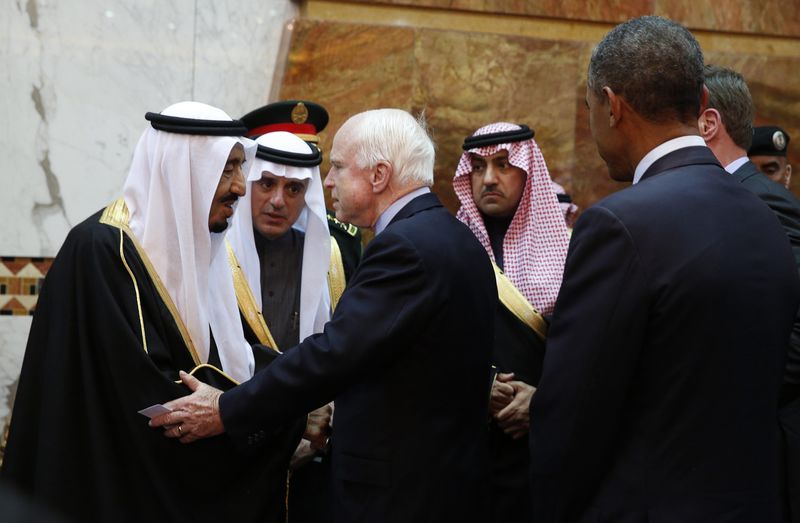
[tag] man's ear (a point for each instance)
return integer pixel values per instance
(380, 177)
(709, 124)
(616, 105)
(787, 179)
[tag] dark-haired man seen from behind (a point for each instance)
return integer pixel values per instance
(659, 395)
(727, 127)
(768, 153)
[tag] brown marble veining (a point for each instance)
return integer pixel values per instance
(590, 10)
(469, 80)
(461, 80)
(464, 80)
(768, 17)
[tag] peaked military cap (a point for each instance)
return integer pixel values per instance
(302, 118)
(769, 140)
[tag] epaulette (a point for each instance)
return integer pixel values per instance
(348, 228)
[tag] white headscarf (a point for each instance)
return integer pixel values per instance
(315, 303)
(169, 190)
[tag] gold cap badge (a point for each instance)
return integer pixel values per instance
(300, 113)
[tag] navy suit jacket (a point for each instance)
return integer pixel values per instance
(659, 394)
(406, 356)
(786, 207)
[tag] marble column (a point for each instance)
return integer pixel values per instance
(78, 77)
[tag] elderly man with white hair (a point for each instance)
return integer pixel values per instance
(135, 295)
(405, 355)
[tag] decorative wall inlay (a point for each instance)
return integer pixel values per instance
(20, 282)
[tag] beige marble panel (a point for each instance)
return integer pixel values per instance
(768, 17)
(594, 10)
(349, 68)
(461, 80)
(468, 80)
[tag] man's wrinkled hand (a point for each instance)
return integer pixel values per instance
(193, 417)
(318, 427)
(514, 419)
(502, 394)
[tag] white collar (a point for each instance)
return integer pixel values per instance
(664, 149)
(386, 216)
(734, 165)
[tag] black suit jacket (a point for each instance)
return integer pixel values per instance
(659, 393)
(406, 357)
(786, 207)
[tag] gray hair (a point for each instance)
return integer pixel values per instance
(396, 137)
(728, 94)
(655, 64)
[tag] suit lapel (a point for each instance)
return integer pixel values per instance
(695, 155)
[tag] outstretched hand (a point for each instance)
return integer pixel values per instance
(193, 417)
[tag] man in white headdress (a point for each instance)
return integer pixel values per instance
(138, 292)
(509, 203)
(288, 277)
(281, 242)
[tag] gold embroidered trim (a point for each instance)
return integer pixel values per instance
(336, 279)
(135, 288)
(247, 302)
(308, 137)
(117, 215)
(518, 305)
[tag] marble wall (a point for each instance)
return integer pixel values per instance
(766, 17)
(470, 62)
(81, 74)
(78, 77)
